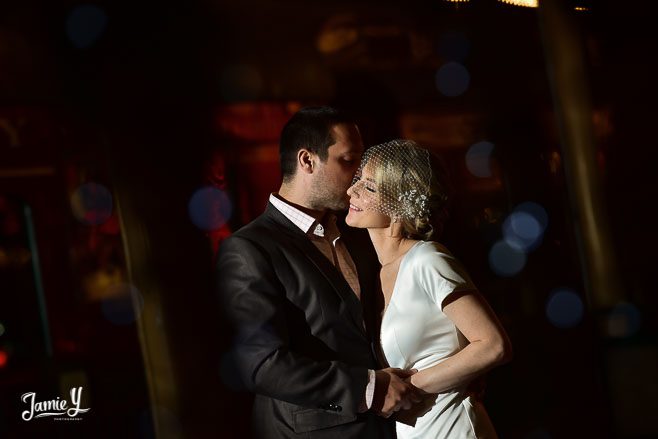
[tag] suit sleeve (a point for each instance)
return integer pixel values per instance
(255, 302)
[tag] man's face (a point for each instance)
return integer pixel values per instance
(332, 178)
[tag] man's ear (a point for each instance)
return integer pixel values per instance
(306, 160)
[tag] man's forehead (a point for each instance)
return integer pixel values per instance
(347, 139)
(347, 147)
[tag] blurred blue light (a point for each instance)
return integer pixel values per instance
(454, 46)
(452, 79)
(524, 225)
(85, 24)
(92, 203)
(124, 304)
(536, 210)
(564, 308)
(524, 228)
(505, 260)
(478, 159)
(624, 320)
(522, 231)
(210, 208)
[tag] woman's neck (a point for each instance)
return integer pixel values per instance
(389, 245)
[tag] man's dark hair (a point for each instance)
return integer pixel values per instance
(309, 128)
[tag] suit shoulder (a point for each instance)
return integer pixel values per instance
(262, 233)
(248, 243)
(259, 228)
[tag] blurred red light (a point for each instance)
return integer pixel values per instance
(3, 359)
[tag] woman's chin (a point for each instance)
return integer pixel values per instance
(350, 220)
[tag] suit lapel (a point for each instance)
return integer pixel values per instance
(365, 259)
(324, 266)
(366, 264)
(372, 300)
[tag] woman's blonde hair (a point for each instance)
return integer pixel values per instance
(411, 185)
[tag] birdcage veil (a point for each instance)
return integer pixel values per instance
(394, 178)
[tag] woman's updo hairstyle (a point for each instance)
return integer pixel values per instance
(411, 185)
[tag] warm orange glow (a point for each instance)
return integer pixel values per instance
(555, 162)
(524, 3)
(581, 8)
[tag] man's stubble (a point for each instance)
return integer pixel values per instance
(325, 194)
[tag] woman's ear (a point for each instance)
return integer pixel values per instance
(395, 227)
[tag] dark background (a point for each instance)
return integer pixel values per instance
(114, 113)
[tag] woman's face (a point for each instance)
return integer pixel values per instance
(365, 202)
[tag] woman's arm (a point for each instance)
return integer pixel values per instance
(488, 345)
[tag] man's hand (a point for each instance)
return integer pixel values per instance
(392, 393)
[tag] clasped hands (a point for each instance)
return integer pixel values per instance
(394, 391)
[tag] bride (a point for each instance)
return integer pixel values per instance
(434, 318)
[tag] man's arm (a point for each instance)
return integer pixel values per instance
(394, 391)
(254, 300)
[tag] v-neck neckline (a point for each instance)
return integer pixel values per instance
(397, 278)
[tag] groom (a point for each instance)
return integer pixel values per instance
(295, 284)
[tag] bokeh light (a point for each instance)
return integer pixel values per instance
(524, 3)
(91, 203)
(209, 208)
(85, 25)
(124, 304)
(623, 321)
(241, 83)
(454, 46)
(522, 231)
(524, 228)
(564, 308)
(536, 210)
(478, 159)
(4, 358)
(452, 79)
(505, 260)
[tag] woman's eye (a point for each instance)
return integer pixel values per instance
(371, 189)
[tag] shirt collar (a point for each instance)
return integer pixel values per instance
(301, 219)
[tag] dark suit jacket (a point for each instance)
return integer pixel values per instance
(300, 341)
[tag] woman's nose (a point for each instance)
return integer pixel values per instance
(351, 191)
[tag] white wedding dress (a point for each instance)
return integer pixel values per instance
(416, 334)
